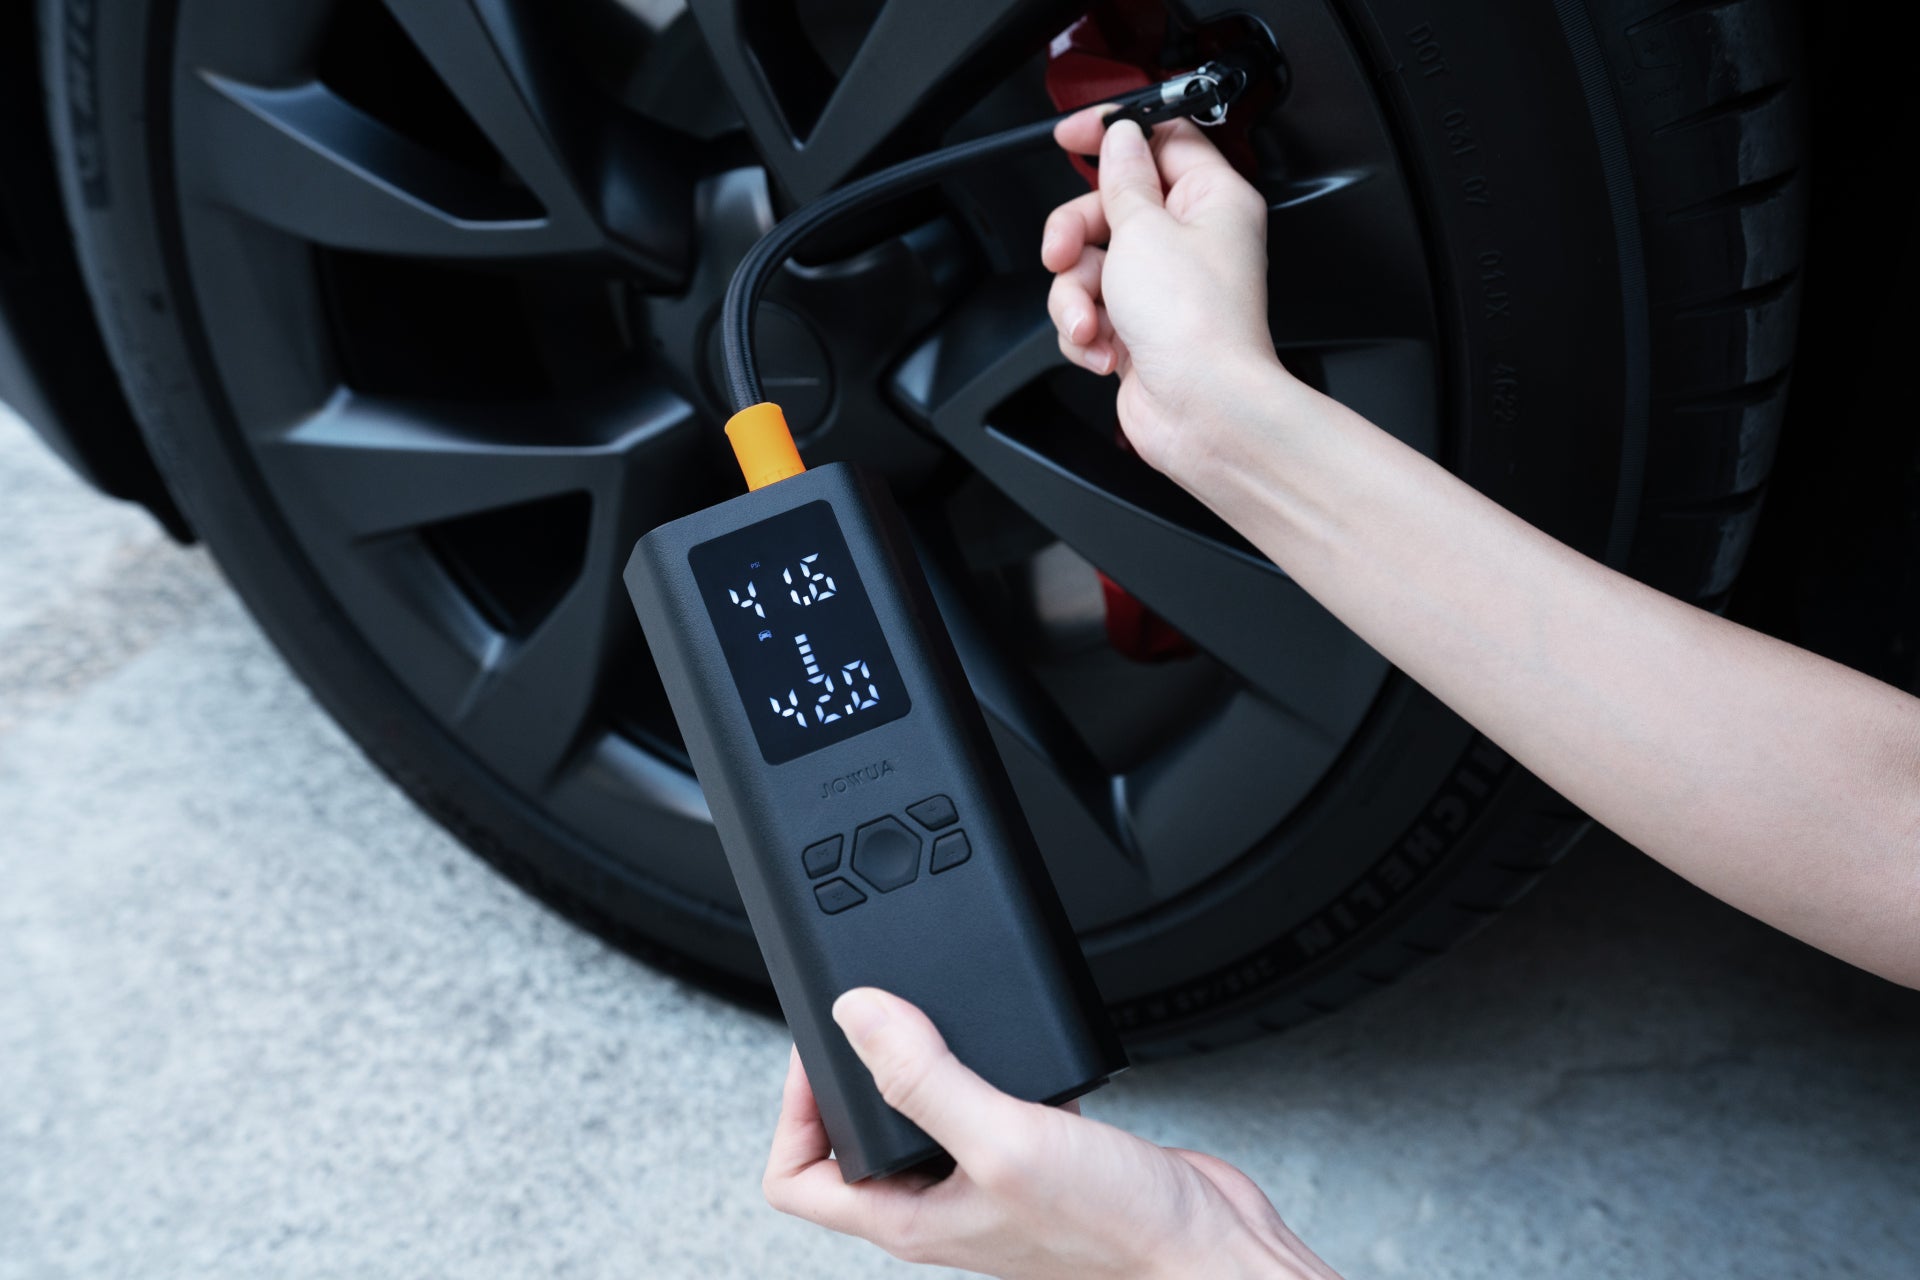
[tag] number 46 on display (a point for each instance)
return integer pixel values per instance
(819, 587)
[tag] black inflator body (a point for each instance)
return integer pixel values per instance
(864, 811)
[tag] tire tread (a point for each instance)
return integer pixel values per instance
(1738, 104)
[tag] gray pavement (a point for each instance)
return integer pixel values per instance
(259, 1017)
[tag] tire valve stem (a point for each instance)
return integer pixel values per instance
(1201, 95)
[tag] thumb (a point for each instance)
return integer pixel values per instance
(1129, 175)
(918, 1075)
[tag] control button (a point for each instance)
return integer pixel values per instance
(823, 857)
(934, 813)
(886, 854)
(950, 850)
(836, 895)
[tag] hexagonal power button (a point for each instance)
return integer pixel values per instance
(886, 854)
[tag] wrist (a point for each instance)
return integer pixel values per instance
(1254, 444)
(1288, 468)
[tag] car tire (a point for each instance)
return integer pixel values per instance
(1614, 202)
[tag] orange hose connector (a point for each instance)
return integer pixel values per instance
(763, 445)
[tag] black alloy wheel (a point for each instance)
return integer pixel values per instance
(417, 301)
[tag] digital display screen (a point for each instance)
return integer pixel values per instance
(799, 632)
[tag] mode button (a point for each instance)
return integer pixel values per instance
(822, 857)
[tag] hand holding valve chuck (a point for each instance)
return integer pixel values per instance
(1202, 96)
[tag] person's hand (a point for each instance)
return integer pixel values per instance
(1176, 301)
(1036, 1192)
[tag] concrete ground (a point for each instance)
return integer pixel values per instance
(258, 1017)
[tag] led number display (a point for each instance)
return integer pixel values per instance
(800, 635)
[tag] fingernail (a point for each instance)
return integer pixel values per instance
(1047, 242)
(860, 1013)
(1127, 138)
(1102, 361)
(1076, 321)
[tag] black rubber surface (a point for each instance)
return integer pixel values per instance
(1613, 204)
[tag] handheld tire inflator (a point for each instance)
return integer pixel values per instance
(870, 826)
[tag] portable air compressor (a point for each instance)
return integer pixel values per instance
(866, 816)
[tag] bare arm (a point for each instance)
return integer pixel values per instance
(1777, 780)
(1781, 782)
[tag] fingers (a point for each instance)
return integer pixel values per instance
(1129, 175)
(802, 1181)
(1194, 178)
(1104, 355)
(1101, 356)
(921, 1079)
(1179, 144)
(879, 1211)
(1074, 299)
(1080, 133)
(1182, 147)
(1097, 357)
(1080, 222)
(800, 1178)
(1086, 331)
(799, 1138)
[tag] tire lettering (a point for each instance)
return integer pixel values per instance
(1426, 51)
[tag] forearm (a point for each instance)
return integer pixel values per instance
(1781, 782)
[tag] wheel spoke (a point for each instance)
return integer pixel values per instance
(363, 473)
(588, 167)
(1133, 525)
(536, 707)
(611, 778)
(578, 177)
(901, 82)
(1203, 801)
(379, 466)
(533, 701)
(1069, 799)
(303, 160)
(481, 54)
